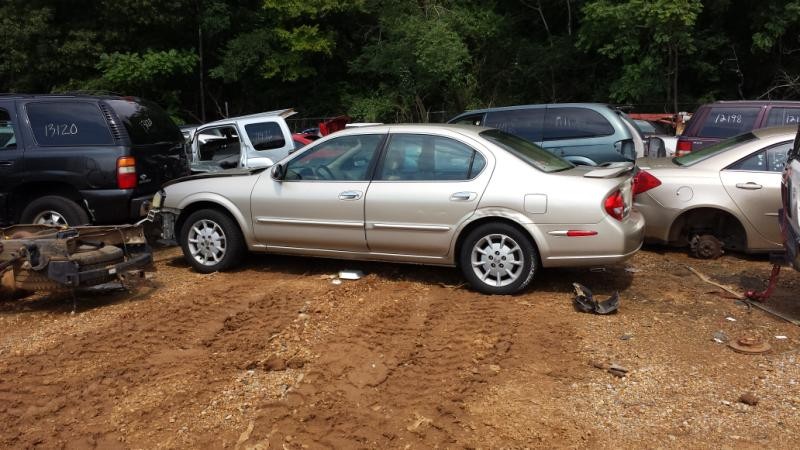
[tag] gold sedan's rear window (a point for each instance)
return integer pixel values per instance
(527, 151)
(719, 147)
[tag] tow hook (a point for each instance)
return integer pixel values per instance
(765, 294)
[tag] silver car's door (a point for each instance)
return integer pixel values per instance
(754, 185)
(320, 202)
(424, 187)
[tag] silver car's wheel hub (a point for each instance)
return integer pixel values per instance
(50, 218)
(497, 260)
(207, 242)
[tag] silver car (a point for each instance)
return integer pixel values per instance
(725, 196)
(490, 203)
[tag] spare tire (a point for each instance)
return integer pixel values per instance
(104, 255)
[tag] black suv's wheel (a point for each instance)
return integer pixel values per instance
(211, 241)
(54, 210)
(497, 258)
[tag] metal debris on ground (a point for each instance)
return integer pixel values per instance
(584, 301)
(781, 337)
(728, 289)
(350, 274)
(632, 270)
(750, 344)
(720, 337)
(336, 281)
(730, 319)
(618, 371)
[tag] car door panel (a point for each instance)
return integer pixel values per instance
(11, 156)
(757, 194)
(754, 185)
(417, 214)
(320, 204)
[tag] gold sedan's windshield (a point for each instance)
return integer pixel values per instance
(527, 151)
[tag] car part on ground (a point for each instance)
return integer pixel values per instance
(724, 197)
(584, 301)
(496, 205)
(47, 258)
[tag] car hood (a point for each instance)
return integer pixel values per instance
(218, 174)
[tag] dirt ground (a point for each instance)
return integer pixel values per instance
(274, 355)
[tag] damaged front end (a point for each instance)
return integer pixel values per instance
(47, 258)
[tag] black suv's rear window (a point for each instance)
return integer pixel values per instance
(146, 122)
(68, 123)
(725, 122)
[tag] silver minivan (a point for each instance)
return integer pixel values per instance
(582, 133)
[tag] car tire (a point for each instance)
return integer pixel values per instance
(511, 248)
(54, 210)
(211, 241)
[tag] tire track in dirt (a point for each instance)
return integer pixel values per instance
(401, 377)
(167, 358)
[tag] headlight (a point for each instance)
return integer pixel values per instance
(158, 199)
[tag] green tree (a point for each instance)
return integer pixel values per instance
(648, 38)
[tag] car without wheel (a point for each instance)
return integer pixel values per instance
(725, 196)
(495, 205)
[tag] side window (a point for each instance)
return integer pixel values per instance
(265, 135)
(475, 119)
(68, 123)
(345, 158)
(725, 122)
(768, 160)
(525, 123)
(783, 116)
(218, 144)
(8, 140)
(413, 157)
(575, 123)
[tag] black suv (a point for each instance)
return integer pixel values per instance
(76, 159)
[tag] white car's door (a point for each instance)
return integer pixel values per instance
(319, 203)
(424, 187)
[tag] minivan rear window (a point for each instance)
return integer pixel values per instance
(527, 151)
(575, 123)
(778, 117)
(146, 122)
(725, 122)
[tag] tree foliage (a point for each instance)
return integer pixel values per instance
(402, 60)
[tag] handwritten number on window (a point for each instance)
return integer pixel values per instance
(60, 129)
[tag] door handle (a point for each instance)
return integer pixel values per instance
(463, 196)
(750, 186)
(6, 163)
(350, 195)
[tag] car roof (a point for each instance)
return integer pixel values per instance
(754, 103)
(468, 130)
(765, 133)
(284, 113)
(14, 95)
(536, 105)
